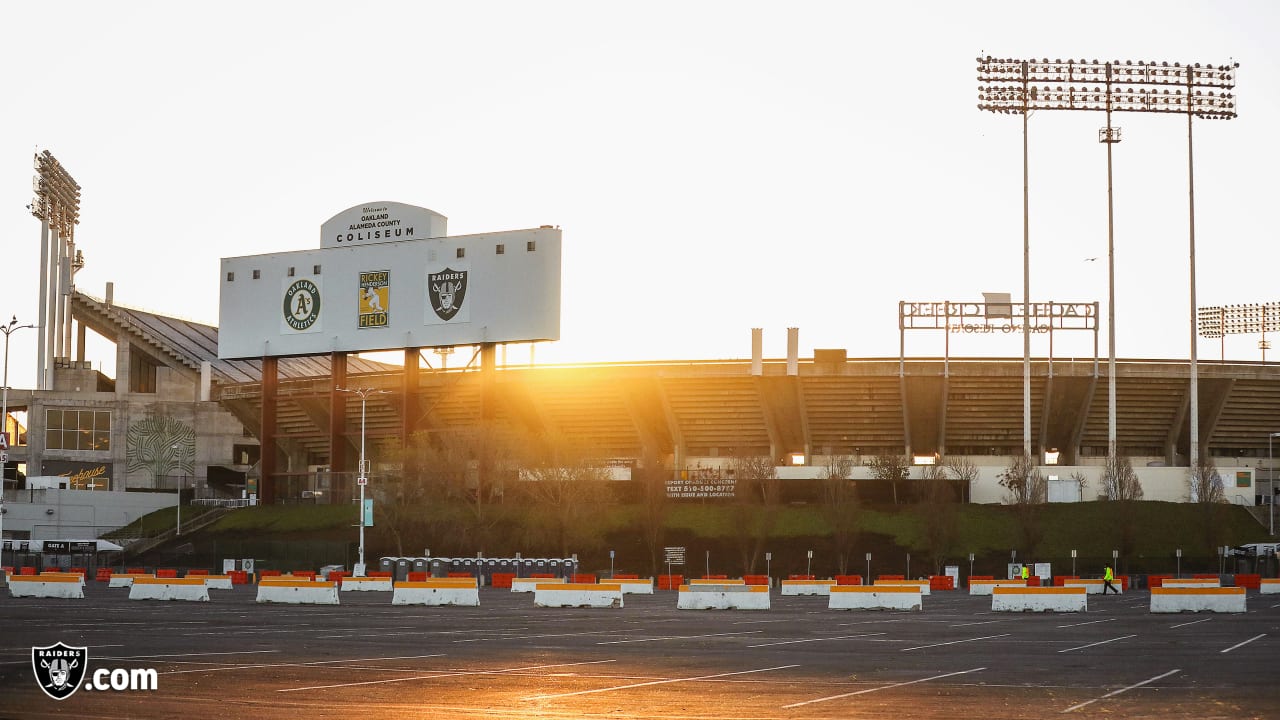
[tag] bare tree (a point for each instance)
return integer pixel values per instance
(567, 483)
(1081, 481)
(840, 506)
(653, 476)
(757, 500)
(1028, 491)
(1119, 481)
(963, 469)
(894, 468)
(937, 510)
(1208, 491)
(456, 478)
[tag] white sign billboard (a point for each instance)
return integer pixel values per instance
(382, 221)
(438, 292)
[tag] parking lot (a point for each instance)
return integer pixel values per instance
(234, 658)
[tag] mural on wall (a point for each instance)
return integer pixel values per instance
(162, 446)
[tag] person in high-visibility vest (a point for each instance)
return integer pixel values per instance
(1025, 572)
(1107, 577)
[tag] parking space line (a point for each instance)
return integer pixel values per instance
(983, 622)
(821, 639)
(882, 687)
(1113, 693)
(200, 654)
(657, 682)
(956, 642)
(434, 676)
(677, 637)
(1087, 623)
(1102, 642)
(1193, 622)
(1246, 642)
(223, 667)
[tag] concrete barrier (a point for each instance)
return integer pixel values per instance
(1211, 599)
(716, 581)
(577, 595)
(298, 592)
(126, 579)
(158, 588)
(924, 585)
(1092, 586)
(76, 577)
(368, 583)
(1040, 599)
(875, 597)
(1192, 583)
(807, 587)
(443, 591)
(1269, 586)
(632, 586)
(215, 582)
(526, 585)
(707, 596)
(47, 586)
(983, 587)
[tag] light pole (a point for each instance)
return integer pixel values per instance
(1271, 483)
(8, 329)
(363, 478)
(178, 529)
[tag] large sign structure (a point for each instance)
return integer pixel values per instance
(386, 278)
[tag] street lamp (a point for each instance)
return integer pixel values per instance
(363, 479)
(1020, 87)
(8, 329)
(178, 530)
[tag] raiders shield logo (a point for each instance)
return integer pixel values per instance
(59, 669)
(447, 290)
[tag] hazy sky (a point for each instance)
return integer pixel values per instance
(715, 166)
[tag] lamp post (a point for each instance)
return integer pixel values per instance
(178, 528)
(8, 329)
(363, 478)
(1019, 87)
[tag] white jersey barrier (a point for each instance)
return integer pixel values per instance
(298, 592)
(1210, 599)
(1039, 599)
(1191, 583)
(439, 591)
(632, 586)
(215, 582)
(1093, 586)
(807, 587)
(526, 585)
(706, 596)
(983, 587)
(577, 595)
(47, 586)
(366, 583)
(124, 580)
(875, 597)
(1269, 586)
(192, 588)
(75, 577)
(922, 584)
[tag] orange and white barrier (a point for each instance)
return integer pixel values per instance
(214, 582)
(1191, 583)
(192, 588)
(1211, 599)
(632, 586)
(984, 587)
(1093, 586)
(366, 583)
(1269, 586)
(437, 591)
(298, 592)
(577, 595)
(1040, 599)
(126, 579)
(875, 597)
(526, 585)
(75, 577)
(711, 581)
(731, 596)
(924, 585)
(46, 586)
(807, 587)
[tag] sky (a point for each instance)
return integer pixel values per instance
(714, 166)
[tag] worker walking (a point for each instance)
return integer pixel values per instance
(1026, 574)
(1107, 577)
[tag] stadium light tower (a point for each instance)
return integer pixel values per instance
(363, 478)
(1024, 86)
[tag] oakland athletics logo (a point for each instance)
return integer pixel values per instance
(301, 305)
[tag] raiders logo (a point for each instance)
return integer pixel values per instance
(447, 291)
(60, 669)
(301, 305)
